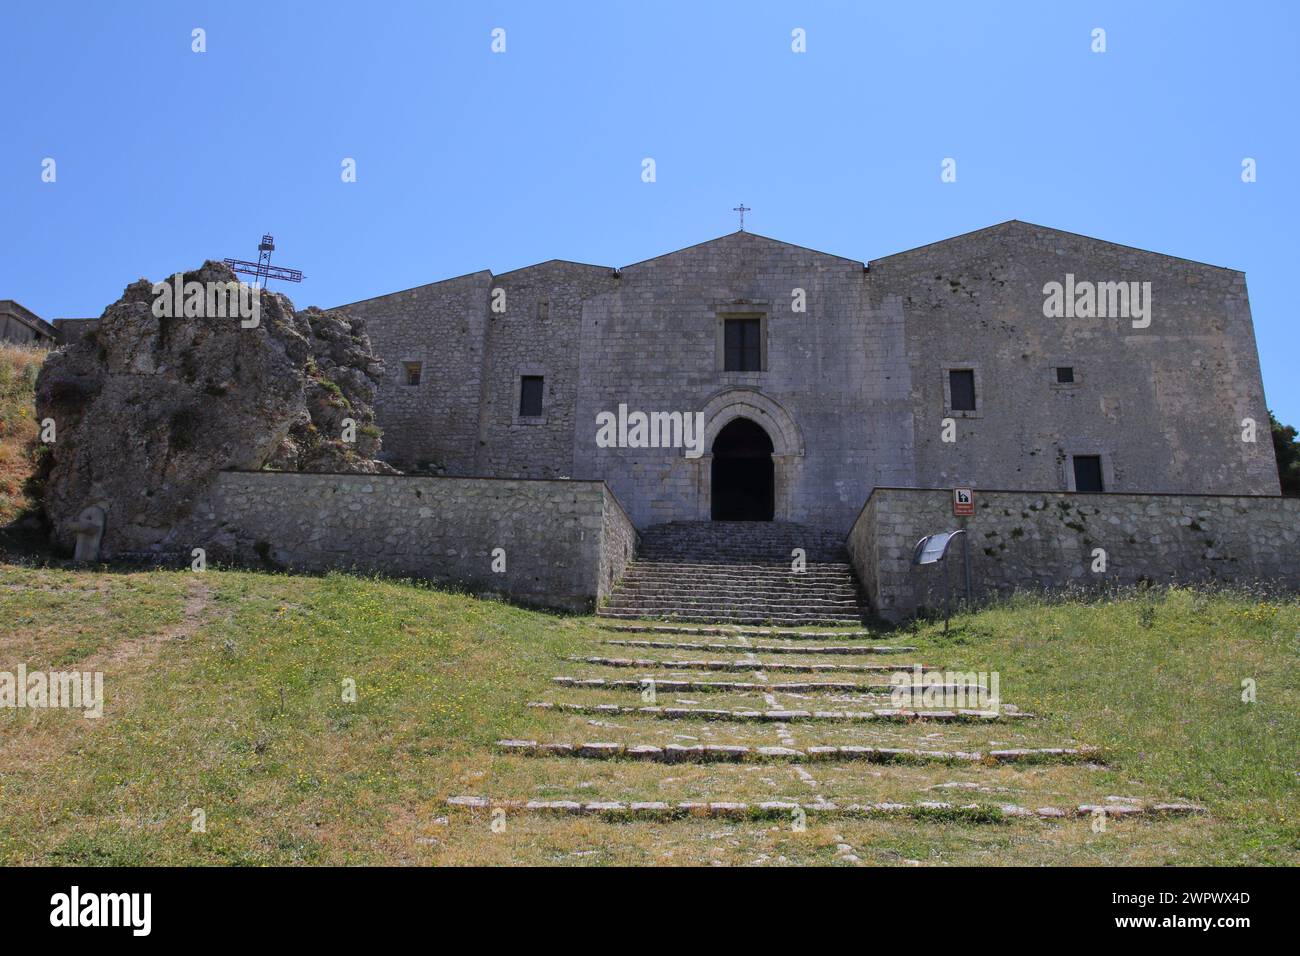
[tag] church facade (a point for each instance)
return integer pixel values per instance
(787, 383)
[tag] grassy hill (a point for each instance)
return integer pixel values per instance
(18, 368)
(226, 702)
(225, 694)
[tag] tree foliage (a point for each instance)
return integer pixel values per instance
(1287, 450)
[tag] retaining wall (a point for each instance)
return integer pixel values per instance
(1043, 540)
(565, 542)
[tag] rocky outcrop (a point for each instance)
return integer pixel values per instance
(149, 407)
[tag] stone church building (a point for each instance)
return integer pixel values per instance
(750, 431)
(818, 378)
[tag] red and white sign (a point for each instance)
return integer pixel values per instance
(963, 502)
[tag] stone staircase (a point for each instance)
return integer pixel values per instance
(738, 572)
(860, 754)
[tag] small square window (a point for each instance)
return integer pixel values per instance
(743, 345)
(530, 396)
(961, 389)
(1065, 375)
(411, 371)
(1087, 473)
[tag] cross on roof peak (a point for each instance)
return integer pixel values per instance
(742, 209)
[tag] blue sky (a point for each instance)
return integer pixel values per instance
(468, 159)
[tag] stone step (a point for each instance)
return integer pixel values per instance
(641, 567)
(698, 597)
(731, 665)
(732, 753)
(785, 810)
(764, 648)
(686, 593)
(785, 634)
(740, 564)
(718, 614)
(716, 619)
(759, 552)
(784, 593)
(798, 588)
(709, 537)
(686, 585)
(747, 534)
(714, 552)
(792, 619)
(665, 573)
(738, 573)
(728, 592)
(703, 552)
(783, 564)
(742, 687)
(1007, 713)
(691, 604)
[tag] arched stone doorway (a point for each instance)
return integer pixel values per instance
(742, 483)
(726, 406)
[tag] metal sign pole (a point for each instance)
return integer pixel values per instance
(946, 610)
(934, 548)
(965, 553)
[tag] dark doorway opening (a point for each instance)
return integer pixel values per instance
(743, 485)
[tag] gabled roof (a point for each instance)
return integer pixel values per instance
(425, 285)
(1014, 224)
(737, 236)
(741, 236)
(555, 262)
(28, 318)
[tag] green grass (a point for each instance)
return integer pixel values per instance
(224, 693)
(18, 428)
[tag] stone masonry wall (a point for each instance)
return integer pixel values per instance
(1163, 405)
(852, 390)
(433, 425)
(565, 541)
(1032, 540)
(833, 393)
(619, 542)
(537, 334)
